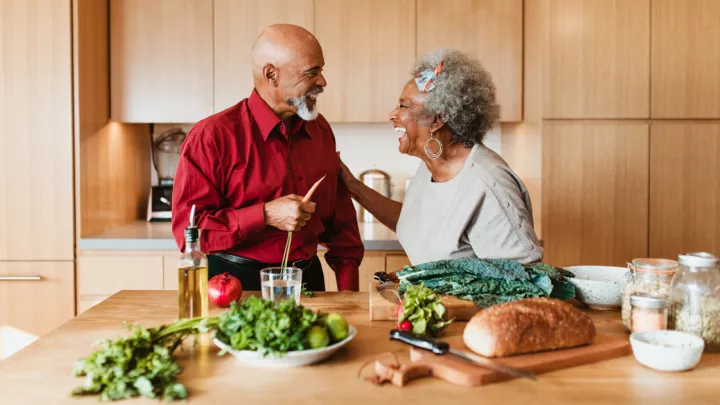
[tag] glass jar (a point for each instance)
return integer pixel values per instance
(649, 312)
(695, 298)
(646, 276)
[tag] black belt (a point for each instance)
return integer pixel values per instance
(243, 261)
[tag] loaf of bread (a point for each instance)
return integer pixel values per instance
(527, 326)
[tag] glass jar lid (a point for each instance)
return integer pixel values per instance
(655, 265)
(698, 259)
(649, 301)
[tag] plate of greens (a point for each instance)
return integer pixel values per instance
(280, 334)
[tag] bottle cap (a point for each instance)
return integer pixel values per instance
(649, 301)
(698, 259)
(192, 233)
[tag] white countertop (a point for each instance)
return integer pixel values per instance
(142, 235)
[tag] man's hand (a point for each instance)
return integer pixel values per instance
(288, 213)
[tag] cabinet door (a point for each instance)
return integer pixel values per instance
(237, 25)
(35, 297)
(685, 59)
(369, 48)
(161, 60)
(101, 274)
(396, 262)
(598, 59)
(36, 144)
(684, 188)
(595, 192)
(490, 30)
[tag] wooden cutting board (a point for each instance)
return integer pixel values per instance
(460, 372)
(383, 310)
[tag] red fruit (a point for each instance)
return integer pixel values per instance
(405, 325)
(224, 289)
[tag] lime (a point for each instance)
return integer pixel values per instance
(318, 337)
(338, 327)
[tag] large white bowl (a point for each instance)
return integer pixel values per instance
(600, 287)
(667, 350)
(289, 359)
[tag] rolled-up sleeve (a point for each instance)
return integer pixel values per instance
(198, 181)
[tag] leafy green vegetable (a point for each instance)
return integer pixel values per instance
(140, 364)
(306, 292)
(489, 281)
(424, 309)
(266, 326)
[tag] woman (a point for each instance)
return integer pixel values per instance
(464, 200)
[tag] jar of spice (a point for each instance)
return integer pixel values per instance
(695, 298)
(646, 276)
(649, 312)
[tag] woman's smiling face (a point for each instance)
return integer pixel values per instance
(405, 120)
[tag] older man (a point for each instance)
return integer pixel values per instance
(247, 168)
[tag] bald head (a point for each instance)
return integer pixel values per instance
(287, 63)
(280, 44)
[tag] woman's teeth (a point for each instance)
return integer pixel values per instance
(400, 129)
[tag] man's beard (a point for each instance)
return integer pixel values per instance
(301, 105)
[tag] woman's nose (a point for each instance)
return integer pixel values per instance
(393, 114)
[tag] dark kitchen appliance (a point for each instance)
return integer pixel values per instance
(165, 157)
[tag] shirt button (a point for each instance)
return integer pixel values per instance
(493, 184)
(472, 164)
(518, 225)
(507, 205)
(532, 247)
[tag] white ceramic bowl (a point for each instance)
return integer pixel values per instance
(600, 287)
(667, 350)
(289, 359)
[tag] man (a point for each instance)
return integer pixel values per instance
(246, 169)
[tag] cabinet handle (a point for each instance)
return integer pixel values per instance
(20, 278)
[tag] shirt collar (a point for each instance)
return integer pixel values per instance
(266, 119)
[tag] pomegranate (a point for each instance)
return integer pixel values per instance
(224, 289)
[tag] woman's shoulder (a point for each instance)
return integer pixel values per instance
(489, 169)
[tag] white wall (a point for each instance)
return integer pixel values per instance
(370, 146)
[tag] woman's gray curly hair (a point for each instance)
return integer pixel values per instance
(464, 95)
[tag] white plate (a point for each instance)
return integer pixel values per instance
(289, 359)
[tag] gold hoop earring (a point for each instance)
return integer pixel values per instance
(430, 154)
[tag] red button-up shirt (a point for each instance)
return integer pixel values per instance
(233, 162)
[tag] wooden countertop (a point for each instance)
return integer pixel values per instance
(143, 235)
(41, 373)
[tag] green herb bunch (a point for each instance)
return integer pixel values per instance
(141, 364)
(266, 326)
(424, 309)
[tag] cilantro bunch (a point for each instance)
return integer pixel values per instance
(140, 364)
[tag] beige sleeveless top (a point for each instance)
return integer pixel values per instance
(484, 211)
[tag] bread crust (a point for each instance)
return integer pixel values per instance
(527, 326)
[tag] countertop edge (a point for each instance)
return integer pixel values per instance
(122, 244)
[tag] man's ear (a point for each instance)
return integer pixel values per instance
(270, 74)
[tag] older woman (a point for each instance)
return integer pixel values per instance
(464, 200)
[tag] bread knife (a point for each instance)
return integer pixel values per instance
(441, 348)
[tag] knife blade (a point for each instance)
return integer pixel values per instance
(441, 348)
(387, 287)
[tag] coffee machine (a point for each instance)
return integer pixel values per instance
(165, 157)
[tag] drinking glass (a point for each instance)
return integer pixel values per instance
(280, 283)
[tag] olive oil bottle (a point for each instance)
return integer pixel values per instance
(192, 275)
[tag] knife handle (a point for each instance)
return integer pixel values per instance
(421, 342)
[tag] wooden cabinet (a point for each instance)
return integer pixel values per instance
(161, 60)
(597, 60)
(237, 23)
(369, 48)
(36, 297)
(684, 188)
(685, 59)
(595, 192)
(101, 274)
(490, 30)
(396, 262)
(36, 139)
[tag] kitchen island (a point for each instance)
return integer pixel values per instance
(41, 373)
